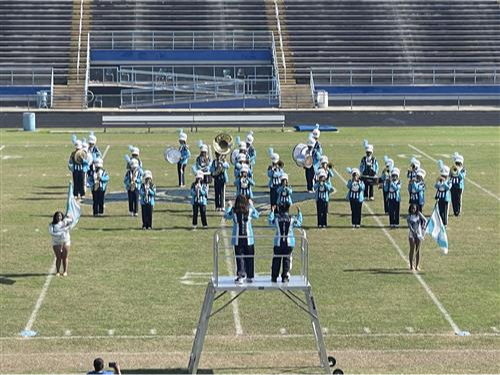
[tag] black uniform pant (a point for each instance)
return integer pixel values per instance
(394, 207)
(244, 265)
(133, 201)
(386, 206)
(181, 169)
(203, 212)
(219, 187)
(281, 257)
(356, 207)
(98, 198)
(273, 192)
(368, 188)
(456, 200)
(322, 212)
(147, 215)
(443, 210)
(79, 183)
(309, 178)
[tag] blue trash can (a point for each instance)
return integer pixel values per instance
(29, 122)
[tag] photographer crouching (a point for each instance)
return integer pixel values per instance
(99, 367)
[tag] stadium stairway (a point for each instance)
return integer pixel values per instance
(293, 95)
(72, 95)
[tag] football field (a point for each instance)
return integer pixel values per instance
(135, 296)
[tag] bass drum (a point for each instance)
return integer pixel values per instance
(301, 156)
(172, 155)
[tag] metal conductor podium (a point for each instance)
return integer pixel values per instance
(220, 285)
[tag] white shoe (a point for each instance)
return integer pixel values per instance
(239, 280)
(65, 274)
(194, 227)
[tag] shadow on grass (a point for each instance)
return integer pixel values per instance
(8, 278)
(381, 271)
(164, 371)
(52, 187)
(139, 228)
(42, 199)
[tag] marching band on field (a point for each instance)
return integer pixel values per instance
(87, 167)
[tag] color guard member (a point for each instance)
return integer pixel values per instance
(284, 240)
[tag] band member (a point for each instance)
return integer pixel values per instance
(355, 195)
(385, 179)
(416, 189)
(90, 161)
(457, 183)
(199, 197)
(135, 153)
(133, 182)
(242, 160)
(324, 164)
(78, 165)
(369, 170)
(416, 226)
(218, 170)
(251, 152)
(284, 191)
(284, 240)
(97, 182)
(244, 183)
(310, 170)
(413, 168)
(317, 145)
(148, 193)
(59, 230)
(323, 188)
(394, 198)
(274, 172)
(242, 238)
(185, 154)
(203, 164)
(93, 149)
(443, 195)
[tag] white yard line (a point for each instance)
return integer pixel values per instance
(467, 178)
(2, 147)
(422, 282)
(263, 336)
(106, 151)
(43, 293)
(230, 270)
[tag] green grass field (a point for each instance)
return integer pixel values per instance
(124, 299)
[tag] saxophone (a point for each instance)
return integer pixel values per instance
(97, 180)
(133, 178)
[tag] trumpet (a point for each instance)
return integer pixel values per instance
(281, 164)
(330, 165)
(455, 170)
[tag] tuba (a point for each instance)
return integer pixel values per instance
(223, 143)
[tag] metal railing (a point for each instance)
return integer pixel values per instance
(313, 88)
(180, 40)
(264, 244)
(278, 24)
(276, 69)
(28, 77)
(79, 43)
(406, 75)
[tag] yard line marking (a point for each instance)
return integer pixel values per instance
(422, 282)
(283, 331)
(410, 329)
(2, 147)
(106, 151)
(67, 332)
(230, 269)
(467, 178)
(111, 332)
(495, 329)
(277, 336)
(152, 331)
(41, 297)
(367, 330)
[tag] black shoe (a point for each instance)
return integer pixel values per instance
(274, 280)
(285, 279)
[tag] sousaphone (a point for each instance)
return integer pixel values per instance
(223, 143)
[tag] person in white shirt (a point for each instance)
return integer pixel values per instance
(59, 230)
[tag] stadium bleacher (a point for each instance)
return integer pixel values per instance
(346, 33)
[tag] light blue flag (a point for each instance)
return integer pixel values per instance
(437, 230)
(72, 207)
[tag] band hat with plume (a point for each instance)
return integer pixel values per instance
(324, 159)
(352, 171)
(388, 162)
(92, 138)
(182, 136)
(85, 145)
(147, 174)
(322, 173)
(311, 142)
(457, 158)
(395, 172)
(274, 156)
(250, 137)
(244, 168)
(202, 146)
(242, 157)
(242, 145)
(415, 162)
(134, 150)
(78, 144)
(134, 163)
(443, 169)
(99, 162)
(284, 176)
(200, 174)
(316, 132)
(368, 147)
(422, 173)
